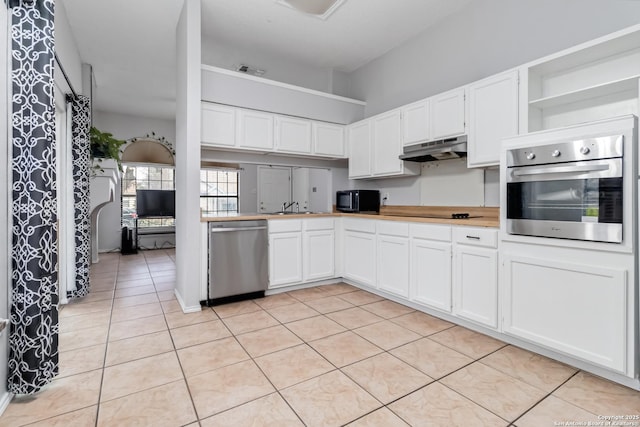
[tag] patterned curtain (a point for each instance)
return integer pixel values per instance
(80, 125)
(33, 340)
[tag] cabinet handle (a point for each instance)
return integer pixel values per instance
(473, 237)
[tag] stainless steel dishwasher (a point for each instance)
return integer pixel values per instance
(237, 260)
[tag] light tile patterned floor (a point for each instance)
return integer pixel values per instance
(325, 356)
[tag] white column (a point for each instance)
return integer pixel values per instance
(188, 157)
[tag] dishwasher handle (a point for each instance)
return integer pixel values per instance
(225, 230)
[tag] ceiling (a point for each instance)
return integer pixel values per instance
(131, 44)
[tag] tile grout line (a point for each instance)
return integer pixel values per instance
(549, 394)
(175, 352)
(106, 347)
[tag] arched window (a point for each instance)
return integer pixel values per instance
(148, 164)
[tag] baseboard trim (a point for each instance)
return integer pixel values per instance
(186, 308)
(4, 401)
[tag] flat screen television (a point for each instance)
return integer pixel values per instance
(155, 203)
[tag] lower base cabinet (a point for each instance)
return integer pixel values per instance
(285, 258)
(431, 273)
(360, 257)
(393, 265)
(577, 309)
(318, 255)
(475, 275)
(301, 251)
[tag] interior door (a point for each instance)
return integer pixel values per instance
(274, 188)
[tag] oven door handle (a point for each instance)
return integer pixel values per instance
(561, 169)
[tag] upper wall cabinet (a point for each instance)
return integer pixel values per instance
(255, 130)
(218, 125)
(448, 114)
(593, 81)
(293, 135)
(375, 145)
(328, 139)
(240, 129)
(493, 115)
(387, 144)
(360, 149)
(415, 122)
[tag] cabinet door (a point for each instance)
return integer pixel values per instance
(255, 130)
(493, 115)
(285, 259)
(293, 135)
(360, 150)
(393, 265)
(318, 250)
(387, 144)
(415, 122)
(360, 257)
(431, 273)
(576, 309)
(448, 114)
(328, 139)
(218, 125)
(476, 284)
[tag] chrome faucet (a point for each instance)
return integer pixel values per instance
(286, 206)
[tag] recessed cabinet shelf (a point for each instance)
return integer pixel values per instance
(624, 85)
(596, 80)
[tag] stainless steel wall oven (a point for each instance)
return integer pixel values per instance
(571, 190)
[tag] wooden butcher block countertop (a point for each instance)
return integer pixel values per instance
(478, 216)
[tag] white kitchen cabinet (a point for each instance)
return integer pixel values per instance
(318, 255)
(301, 251)
(285, 259)
(359, 250)
(218, 123)
(493, 115)
(415, 122)
(328, 139)
(387, 144)
(254, 130)
(448, 114)
(292, 135)
(375, 145)
(393, 264)
(285, 252)
(475, 275)
(430, 276)
(577, 309)
(360, 149)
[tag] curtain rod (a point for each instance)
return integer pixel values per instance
(75, 95)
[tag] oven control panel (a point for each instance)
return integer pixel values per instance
(606, 147)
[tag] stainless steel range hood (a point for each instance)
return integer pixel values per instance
(443, 149)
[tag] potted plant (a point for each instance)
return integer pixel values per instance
(104, 146)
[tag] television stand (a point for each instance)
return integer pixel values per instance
(151, 232)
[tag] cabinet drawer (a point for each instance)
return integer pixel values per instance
(393, 228)
(318, 224)
(359, 224)
(476, 236)
(431, 232)
(285, 226)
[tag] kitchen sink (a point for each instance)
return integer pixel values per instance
(293, 213)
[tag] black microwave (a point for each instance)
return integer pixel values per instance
(358, 201)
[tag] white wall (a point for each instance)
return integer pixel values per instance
(67, 52)
(124, 126)
(188, 251)
(277, 68)
(486, 37)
